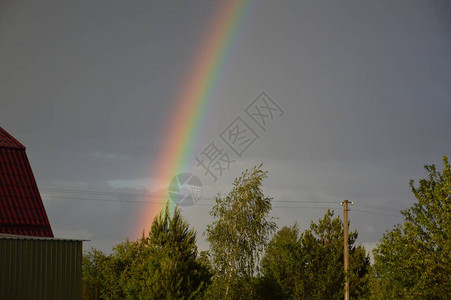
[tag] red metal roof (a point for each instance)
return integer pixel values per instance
(21, 209)
(7, 141)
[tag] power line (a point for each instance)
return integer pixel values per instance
(160, 202)
(380, 207)
(161, 196)
(212, 204)
(97, 193)
(98, 199)
(377, 213)
(70, 191)
(150, 195)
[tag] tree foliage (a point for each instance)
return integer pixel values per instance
(413, 260)
(310, 265)
(176, 272)
(162, 265)
(238, 235)
(283, 266)
(94, 281)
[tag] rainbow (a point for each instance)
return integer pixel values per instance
(191, 103)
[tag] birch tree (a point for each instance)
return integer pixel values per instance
(239, 235)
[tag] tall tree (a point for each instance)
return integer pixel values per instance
(283, 266)
(238, 235)
(162, 265)
(413, 259)
(310, 265)
(173, 270)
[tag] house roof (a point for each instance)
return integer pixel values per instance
(7, 141)
(21, 209)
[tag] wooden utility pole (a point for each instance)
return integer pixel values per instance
(345, 248)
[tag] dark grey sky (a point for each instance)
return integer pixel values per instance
(88, 87)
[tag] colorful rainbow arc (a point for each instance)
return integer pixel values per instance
(192, 101)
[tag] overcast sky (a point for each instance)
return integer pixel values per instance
(88, 87)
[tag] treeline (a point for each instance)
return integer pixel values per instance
(248, 259)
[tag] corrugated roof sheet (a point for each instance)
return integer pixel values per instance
(25, 237)
(21, 209)
(7, 141)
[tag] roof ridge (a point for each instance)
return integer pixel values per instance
(8, 141)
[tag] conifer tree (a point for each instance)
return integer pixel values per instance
(162, 265)
(173, 270)
(310, 265)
